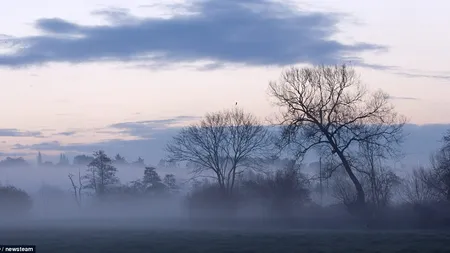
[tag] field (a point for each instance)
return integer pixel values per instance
(114, 238)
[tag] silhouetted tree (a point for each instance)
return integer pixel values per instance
(286, 190)
(416, 189)
(150, 183)
(151, 176)
(77, 187)
(14, 202)
(438, 178)
(101, 174)
(63, 160)
(139, 162)
(82, 160)
(120, 160)
(328, 109)
(170, 181)
(223, 143)
(380, 181)
(39, 159)
(162, 163)
(14, 162)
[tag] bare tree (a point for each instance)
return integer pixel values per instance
(416, 187)
(342, 188)
(223, 143)
(380, 180)
(77, 188)
(328, 109)
(438, 178)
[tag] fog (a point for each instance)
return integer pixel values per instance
(54, 205)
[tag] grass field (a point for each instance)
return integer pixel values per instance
(140, 239)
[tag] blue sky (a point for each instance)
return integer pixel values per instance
(81, 75)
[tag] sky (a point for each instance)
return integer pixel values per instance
(122, 75)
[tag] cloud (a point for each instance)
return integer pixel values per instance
(146, 129)
(68, 133)
(56, 25)
(15, 154)
(243, 32)
(12, 132)
(53, 145)
(119, 16)
(444, 76)
(403, 98)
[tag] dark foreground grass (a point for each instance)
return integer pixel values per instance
(130, 240)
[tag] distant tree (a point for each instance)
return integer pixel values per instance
(223, 143)
(162, 163)
(120, 160)
(14, 162)
(101, 174)
(14, 202)
(82, 160)
(151, 176)
(438, 177)
(416, 188)
(139, 162)
(39, 159)
(170, 181)
(342, 188)
(327, 109)
(167, 164)
(63, 160)
(151, 183)
(382, 185)
(171, 164)
(380, 181)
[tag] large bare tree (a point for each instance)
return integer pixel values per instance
(223, 143)
(328, 109)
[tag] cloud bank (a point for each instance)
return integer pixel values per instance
(248, 32)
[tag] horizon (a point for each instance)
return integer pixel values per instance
(420, 142)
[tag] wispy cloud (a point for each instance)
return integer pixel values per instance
(68, 133)
(15, 154)
(403, 98)
(53, 145)
(146, 129)
(444, 76)
(249, 32)
(12, 132)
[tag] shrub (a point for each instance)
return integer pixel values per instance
(14, 201)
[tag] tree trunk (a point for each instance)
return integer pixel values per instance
(360, 199)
